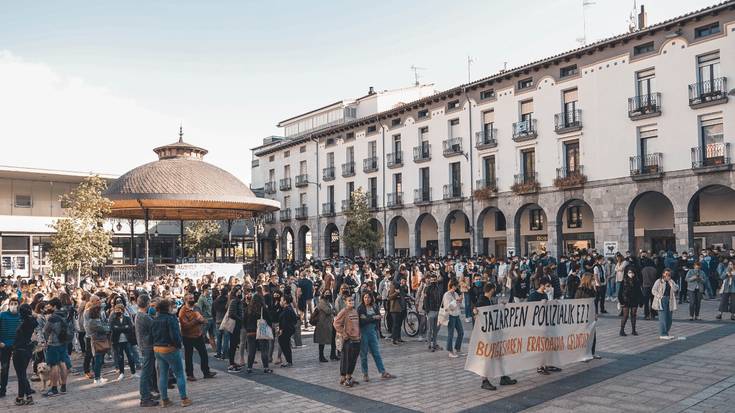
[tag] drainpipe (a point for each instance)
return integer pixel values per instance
(318, 230)
(473, 241)
(382, 165)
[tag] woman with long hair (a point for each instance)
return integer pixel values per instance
(369, 314)
(587, 290)
(255, 311)
(630, 297)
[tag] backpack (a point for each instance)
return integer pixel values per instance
(63, 329)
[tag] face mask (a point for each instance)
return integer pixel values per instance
(478, 283)
(631, 275)
(550, 293)
(192, 302)
(13, 308)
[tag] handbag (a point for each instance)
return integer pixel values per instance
(101, 345)
(227, 324)
(443, 317)
(264, 331)
(314, 317)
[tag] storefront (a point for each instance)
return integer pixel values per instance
(536, 244)
(576, 242)
(15, 257)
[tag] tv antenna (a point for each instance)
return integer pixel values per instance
(585, 4)
(416, 76)
(470, 60)
(632, 21)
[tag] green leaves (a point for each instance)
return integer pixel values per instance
(359, 234)
(201, 236)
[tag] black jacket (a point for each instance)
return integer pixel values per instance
(630, 294)
(433, 297)
(122, 324)
(287, 320)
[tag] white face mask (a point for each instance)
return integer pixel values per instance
(550, 293)
(631, 275)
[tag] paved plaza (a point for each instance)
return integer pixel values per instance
(695, 373)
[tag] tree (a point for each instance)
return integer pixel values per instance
(201, 236)
(359, 234)
(81, 243)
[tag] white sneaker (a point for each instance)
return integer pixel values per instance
(136, 375)
(663, 337)
(453, 355)
(100, 381)
(121, 376)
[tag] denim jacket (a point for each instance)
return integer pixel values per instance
(165, 331)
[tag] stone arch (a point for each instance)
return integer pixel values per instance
(305, 243)
(710, 217)
(530, 231)
(651, 222)
(288, 244)
(398, 237)
(331, 240)
(457, 234)
(491, 232)
(575, 226)
(427, 235)
(269, 246)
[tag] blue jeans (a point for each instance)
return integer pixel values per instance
(171, 360)
(611, 288)
(664, 317)
(454, 324)
(369, 343)
(99, 358)
(467, 306)
(121, 350)
(147, 375)
(223, 341)
(708, 287)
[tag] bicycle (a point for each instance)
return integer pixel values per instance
(411, 322)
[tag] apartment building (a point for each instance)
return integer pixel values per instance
(620, 145)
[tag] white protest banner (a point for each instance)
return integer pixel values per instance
(196, 271)
(513, 337)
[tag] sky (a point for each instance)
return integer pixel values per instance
(93, 86)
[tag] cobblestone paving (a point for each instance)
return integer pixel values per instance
(642, 374)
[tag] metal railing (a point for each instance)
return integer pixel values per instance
(395, 199)
(372, 201)
(644, 104)
(452, 191)
(269, 187)
(422, 195)
(708, 91)
(348, 169)
(370, 164)
(452, 146)
(328, 173)
(490, 183)
(568, 120)
(284, 184)
(422, 152)
(527, 178)
(712, 154)
(346, 203)
(302, 180)
(285, 214)
(269, 218)
(134, 273)
(328, 209)
(394, 159)
(525, 129)
(646, 164)
(302, 212)
(569, 172)
(486, 138)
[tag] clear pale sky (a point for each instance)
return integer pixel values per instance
(95, 85)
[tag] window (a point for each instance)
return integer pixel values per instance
(349, 136)
(537, 219)
(525, 83)
(330, 159)
(574, 217)
(423, 133)
(302, 168)
(424, 182)
(488, 123)
(526, 111)
(350, 153)
(423, 114)
(395, 122)
(287, 154)
(330, 142)
(488, 169)
(528, 158)
(487, 94)
(302, 149)
(453, 105)
(571, 156)
(286, 171)
(397, 146)
(500, 224)
(647, 136)
(330, 195)
(570, 107)
(708, 67)
(372, 148)
(286, 201)
(350, 190)
(302, 199)
(397, 182)
(372, 129)
(707, 30)
(643, 48)
(453, 128)
(272, 158)
(23, 201)
(644, 82)
(712, 137)
(568, 71)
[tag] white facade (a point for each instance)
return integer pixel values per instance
(616, 145)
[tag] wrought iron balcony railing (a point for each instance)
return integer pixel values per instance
(646, 165)
(370, 164)
(708, 92)
(348, 169)
(422, 196)
(302, 212)
(395, 159)
(711, 155)
(486, 139)
(452, 191)
(644, 106)
(269, 187)
(302, 180)
(524, 130)
(395, 199)
(284, 184)
(568, 121)
(452, 147)
(328, 173)
(422, 153)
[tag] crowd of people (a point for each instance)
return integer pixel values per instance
(347, 304)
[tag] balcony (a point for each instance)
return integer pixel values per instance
(713, 157)
(328, 209)
(328, 173)
(708, 93)
(452, 147)
(645, 167)
(486, 188)
(302, 180)
(524, 130)
(452, 192)
(568, 121)
(302, 212)
(395, 200)
(570, 178)
(372, 202)
(422, 153)
(284, 184)
(525, 183)
(370, 164)
(346, 204)
(422, 196)
(485, 139)
(269, 187)
(644, 106)
(348, 169)
(285, 214)
(395, 159)
(269, 218)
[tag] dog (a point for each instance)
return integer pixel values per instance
(44, 372)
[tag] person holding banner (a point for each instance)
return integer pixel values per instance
(450, 302)
(543, 292)
(485, 300)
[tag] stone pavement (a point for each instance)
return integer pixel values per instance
(637, 374)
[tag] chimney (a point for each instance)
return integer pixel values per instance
(371, 91)
(642, 18)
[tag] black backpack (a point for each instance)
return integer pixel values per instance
(63, 330)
